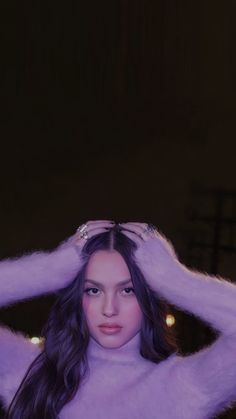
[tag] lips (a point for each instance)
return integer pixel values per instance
(108, 330)
(110, 325)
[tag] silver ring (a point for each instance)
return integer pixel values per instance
(150, 229)
(84, 235)
(82, 230)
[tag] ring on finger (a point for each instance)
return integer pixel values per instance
(82, 230)
(150, 229)
(84, 235)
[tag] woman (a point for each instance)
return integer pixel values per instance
(120, 275)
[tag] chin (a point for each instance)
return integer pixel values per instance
(110, 341)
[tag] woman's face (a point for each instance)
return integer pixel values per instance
(107, 301)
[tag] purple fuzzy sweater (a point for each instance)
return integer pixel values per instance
(121, 384)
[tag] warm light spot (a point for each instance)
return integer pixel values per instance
(35, 340)
(170, 320)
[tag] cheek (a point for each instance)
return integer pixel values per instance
(89, 308)
(86, 305)
(135, 313)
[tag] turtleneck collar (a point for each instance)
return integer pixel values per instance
(125, 353)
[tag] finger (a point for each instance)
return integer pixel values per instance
(143, 225)
(133, 236)
(137, 227)
(92, 222)
(93, 227)
(95, 224)
(134, 222)
(90, 233)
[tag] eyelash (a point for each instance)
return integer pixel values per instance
(94, 288)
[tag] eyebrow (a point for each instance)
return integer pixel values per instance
(126, 281)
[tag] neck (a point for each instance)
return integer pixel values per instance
(125, 353)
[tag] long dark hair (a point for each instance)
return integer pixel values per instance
(54, 376)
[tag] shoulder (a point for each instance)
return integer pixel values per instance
(183, 381)
(176, 375)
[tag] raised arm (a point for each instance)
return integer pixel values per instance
(22, 278)
(36, 274)
(42, 272)
(212, 299)
(212, 370)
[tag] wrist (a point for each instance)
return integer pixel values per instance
(158, 257)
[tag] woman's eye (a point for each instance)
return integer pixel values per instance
(129, 290)
(87, 291)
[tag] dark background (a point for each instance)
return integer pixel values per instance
(120, 110)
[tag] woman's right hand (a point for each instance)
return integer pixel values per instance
(93, 227)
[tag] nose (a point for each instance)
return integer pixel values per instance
(110, 306)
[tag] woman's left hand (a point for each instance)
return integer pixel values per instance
(138, 232)
(153, 251)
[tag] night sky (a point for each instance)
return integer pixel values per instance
(118, 110)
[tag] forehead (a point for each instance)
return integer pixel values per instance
(107, 264)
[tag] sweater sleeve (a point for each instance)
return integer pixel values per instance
(23, 278)
(16, 355)
(37, 273)
(212, 370)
